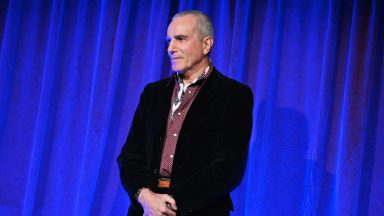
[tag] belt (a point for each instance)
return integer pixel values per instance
(163, 183)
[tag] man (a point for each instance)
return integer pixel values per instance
(188, 142)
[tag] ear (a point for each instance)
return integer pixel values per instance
(207, 44)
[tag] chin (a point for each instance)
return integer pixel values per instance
(177, 69)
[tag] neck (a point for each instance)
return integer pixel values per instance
(192, 75)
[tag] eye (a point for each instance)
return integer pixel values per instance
(181, 37)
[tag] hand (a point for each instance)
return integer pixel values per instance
(154, 204)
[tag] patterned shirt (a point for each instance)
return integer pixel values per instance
(182, 98)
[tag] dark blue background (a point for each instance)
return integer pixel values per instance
(71, 73)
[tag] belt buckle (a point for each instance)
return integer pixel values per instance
(163, 182)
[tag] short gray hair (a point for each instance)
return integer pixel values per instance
(204, 22)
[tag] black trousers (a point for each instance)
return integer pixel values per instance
(221, 207)
(202, 212)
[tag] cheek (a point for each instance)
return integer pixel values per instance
(196, 54)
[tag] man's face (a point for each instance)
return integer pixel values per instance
(185, 47)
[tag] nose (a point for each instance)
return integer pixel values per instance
(171, 47)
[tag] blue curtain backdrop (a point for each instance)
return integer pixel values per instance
(71, 73)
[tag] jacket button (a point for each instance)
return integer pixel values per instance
(156, 171)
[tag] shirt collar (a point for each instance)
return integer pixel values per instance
(179, 76)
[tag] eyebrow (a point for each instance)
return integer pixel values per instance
(177, 37)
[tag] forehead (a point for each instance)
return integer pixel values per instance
(184, 25)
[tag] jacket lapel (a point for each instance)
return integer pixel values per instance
(205, 96)
(164, 102)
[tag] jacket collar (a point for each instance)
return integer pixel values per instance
(206, 94)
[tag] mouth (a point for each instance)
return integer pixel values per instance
(175, 58)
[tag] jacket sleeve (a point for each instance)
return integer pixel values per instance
(132, 159)
(226, 169)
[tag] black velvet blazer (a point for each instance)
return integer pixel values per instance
(211, 151)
